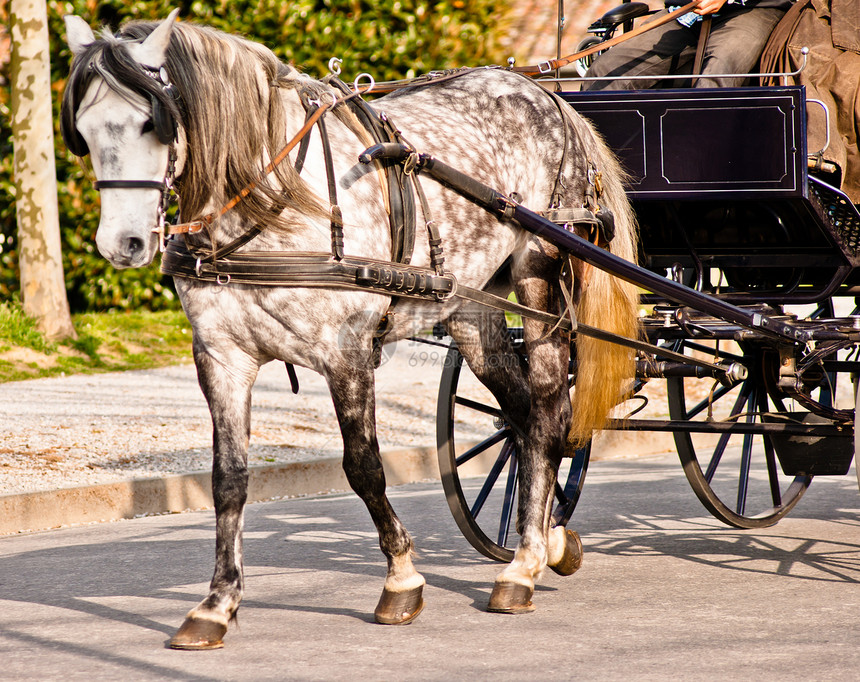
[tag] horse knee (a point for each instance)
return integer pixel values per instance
(229, 487)
(364, 474)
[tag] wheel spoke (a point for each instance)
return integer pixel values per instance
(577, 473)
(744, 474)
(559, 494)
(746, 453)
(492, 477)
(569, 495)
(479, 407)
(717, 455)
(482, 447)
(770, 457)
(772, 472)
(508, 505)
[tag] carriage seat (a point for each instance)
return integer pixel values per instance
(619, 15)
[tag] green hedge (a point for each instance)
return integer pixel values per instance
(388, 39)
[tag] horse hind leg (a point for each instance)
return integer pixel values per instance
(353, 394)
(482, 338)
(542, 448)
(228, 392)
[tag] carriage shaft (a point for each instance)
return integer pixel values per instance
(504, 207)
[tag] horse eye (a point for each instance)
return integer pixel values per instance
(148, 127)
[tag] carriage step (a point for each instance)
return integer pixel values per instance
(812, 455)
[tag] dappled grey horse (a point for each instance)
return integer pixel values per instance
(173, 104)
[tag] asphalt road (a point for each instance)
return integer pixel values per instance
(665, 592)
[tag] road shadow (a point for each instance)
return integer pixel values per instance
(314, 555)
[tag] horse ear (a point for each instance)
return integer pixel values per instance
(78, 33)
(152, 51)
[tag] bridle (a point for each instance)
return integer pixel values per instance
(166, 130)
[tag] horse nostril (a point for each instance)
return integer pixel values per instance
(134, 245)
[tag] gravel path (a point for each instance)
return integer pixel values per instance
(90, 429)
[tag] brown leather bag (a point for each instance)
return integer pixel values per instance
(831, 31)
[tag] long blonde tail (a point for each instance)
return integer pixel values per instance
(605, 370)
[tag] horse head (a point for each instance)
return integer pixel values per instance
(119, 107)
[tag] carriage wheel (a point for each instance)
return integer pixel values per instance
(736, 476)
(478, 463)
(584, 63)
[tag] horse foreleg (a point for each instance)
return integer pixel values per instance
(353, 394)
(228, 392)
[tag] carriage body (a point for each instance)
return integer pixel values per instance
(719, 177)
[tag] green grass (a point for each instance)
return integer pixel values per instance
(106, 342)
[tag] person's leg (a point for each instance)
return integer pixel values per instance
(650, 53)
(735, 45)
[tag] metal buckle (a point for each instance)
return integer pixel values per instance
(371, 83)
(159, 230)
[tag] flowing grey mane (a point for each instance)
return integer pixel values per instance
(230, 108)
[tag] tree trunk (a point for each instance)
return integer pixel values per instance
(43, 289)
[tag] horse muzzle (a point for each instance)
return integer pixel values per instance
(129, 248)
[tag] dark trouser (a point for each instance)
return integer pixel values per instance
(734, 46)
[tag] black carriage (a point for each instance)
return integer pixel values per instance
(755, 315)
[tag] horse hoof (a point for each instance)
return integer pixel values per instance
(571, 560)
(198, 634)
(511, 598)
(399, 608)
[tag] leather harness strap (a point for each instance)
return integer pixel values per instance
(363, 274)
(704, 34)
(401, 201)
(336, 220)
(195, 226)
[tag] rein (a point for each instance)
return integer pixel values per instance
(553, 64)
